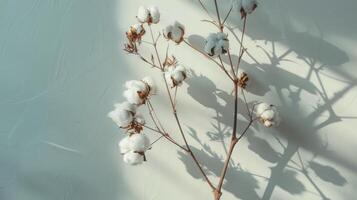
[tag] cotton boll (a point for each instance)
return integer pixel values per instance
(133, 158)
(175, 75)
(262, 107)
(121, 117)
(175, 32)
(143, 14)
(155, 14)
(124, 145)
(139, 142)
(138, 91)
(249, 5)
(216, 44)
(244, 6)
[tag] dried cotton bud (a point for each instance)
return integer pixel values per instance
(135, 33)
(242, 79)
(137, 92)
(148, 15)
(268, 114)
(175, 32)
(245, 6)
(175, 75)
(216, 44)
(170, 61)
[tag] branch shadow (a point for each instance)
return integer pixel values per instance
(300, 125)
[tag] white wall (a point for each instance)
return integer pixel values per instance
(62, 68)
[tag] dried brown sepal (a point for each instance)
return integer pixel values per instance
(141, 153)
(130, 47)
(170, 61)
(133, 35)
(243, 79)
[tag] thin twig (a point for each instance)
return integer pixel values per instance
(219, 18)
(246, 104)
(229, 12)
(241, 49)
(177, 119)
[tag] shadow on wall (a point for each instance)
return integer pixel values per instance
(299, 126)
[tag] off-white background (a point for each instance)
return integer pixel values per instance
(62, 68)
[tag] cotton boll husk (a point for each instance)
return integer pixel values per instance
(139, 142)
(133, 158)
(155, 14)
(268, 114)
(124, 145)
(132, 96)
(148, 80)
(143, 14)
(262, 107)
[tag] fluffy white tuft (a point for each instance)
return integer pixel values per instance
(216, 44)
(132, 96)
(134, 87)
(133, 158)
(139, 118)
(262, 107)
(139, 142)
(268, 114)
(175, 32)
(175, 75)
(124, 145)
(245, 6)
(123, 114)
(143, 14)
(155, 14)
